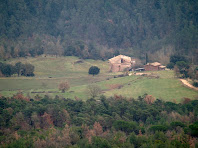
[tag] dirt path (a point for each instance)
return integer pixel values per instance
(185, 82)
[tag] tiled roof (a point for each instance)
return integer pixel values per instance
(118, 58)
(154, 64)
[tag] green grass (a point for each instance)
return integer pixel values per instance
(50, 71)
(166, 89)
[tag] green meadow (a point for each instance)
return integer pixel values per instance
(50, 71)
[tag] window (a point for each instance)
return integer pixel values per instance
(122, 61)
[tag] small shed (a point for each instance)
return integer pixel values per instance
(154, 66)
(162, 67)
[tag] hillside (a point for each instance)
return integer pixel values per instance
(99, 29)
(102, 123)
(50, 71)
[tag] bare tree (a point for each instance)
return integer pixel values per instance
(63, 86)
(93, 90)
(149, 99)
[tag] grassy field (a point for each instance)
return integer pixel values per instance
(50, 71)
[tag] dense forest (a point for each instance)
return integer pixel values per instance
(99, 29)
(106, 122)
(151, 30)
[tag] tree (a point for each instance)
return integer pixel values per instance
(97, 129)
(18, 67)
(6, 69)
(93, 90)
(149, 99)
(94, 70)
(126, 126)
(170, 65)
(63, 86)
(183, 68)
(100, 142)
(46, 120)
(194, 129)
(176, 58)
(28, 70)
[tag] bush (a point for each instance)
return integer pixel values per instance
(183, 68)
(64, 86)
(170, 65)
(94, 70)
(195, 84)
(19, 68)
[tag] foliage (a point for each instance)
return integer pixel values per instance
(107, 122)
(97, 29)
(195, 84)
(93, 90)
(183, 68)
(7, 69)
(176, 124)
(94, 70)
(64, 86)
(194, 129)
(155, 128)
(170, 65)
(125, 126)
(19, 68)
(177, 58)
(99, 142)
(149, 99)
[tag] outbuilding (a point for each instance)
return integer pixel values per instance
(154, 66)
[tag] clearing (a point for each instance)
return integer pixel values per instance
(50, 71)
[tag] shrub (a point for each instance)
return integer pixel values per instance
(64, 86)
(170, 65)
(149, 99)
(186, 100)
(195, 84)
(183, 68)
(94, 70)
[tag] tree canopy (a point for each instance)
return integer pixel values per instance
(94, 70)
(106, 122)
(98, 29)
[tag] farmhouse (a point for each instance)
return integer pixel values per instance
(120, 63)
(154, 66)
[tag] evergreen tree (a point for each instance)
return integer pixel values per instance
(94, 70)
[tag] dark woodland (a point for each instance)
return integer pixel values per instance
(99, 29)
